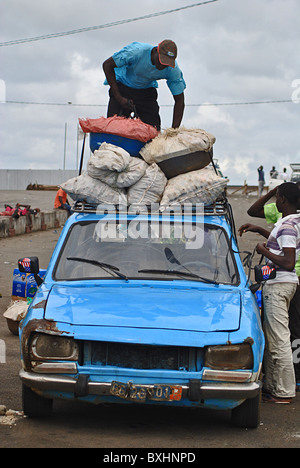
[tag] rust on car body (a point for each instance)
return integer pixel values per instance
(40, 326)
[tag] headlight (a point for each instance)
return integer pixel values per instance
(229, 357)
(54, 347)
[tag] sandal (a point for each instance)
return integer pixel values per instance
(267, 397)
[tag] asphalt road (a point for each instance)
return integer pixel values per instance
(122, 426)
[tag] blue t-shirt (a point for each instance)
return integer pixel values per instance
(135, 69)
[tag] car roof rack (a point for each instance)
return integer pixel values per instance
(219, 208)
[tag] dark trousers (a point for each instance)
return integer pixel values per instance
(294, 314)
(145, 101)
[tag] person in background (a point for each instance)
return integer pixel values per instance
(21, 210)
(284, 176)
(262, 209)
(273, 173)
(132, 75)
(61, 201)
(261, 180)
(282, 249)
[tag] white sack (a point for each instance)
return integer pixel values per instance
(135, 170)
(173, 140)
(202, 186)
(115, 167)
(91, 190)
(149, 188)
(16, 311)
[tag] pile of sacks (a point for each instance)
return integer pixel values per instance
(114, 177)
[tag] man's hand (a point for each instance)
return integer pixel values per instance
(126, 103)
(253, 228)
(247, 228)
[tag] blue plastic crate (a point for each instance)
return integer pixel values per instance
(132, 146)
(24, 284)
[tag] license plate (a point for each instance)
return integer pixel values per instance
(144, 392)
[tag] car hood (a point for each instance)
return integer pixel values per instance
(176, 308)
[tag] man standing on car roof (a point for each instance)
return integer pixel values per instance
(132, 75)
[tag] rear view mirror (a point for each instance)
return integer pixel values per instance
(30, 265)
(264, 273)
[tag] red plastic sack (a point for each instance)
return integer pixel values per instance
(128, 128)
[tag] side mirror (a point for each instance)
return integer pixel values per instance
(30, 265)
(264, 273)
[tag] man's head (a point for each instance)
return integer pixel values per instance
(167, 53)
(288, 195)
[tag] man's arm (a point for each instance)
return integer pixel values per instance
(253, 228)
(178, 110)
(109, 70)
(287, 261)
(257, 209)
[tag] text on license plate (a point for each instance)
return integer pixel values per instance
(143, 392)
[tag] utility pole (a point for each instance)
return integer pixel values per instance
(65, 147)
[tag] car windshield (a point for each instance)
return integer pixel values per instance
(147, 250)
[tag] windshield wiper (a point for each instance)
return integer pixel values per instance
(176, 272)
(111, 268)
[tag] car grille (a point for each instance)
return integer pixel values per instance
(137, 356)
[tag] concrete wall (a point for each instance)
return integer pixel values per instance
(14, 227)
(14, 179)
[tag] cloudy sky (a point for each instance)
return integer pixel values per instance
(231, 52)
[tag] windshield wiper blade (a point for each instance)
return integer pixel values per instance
(176, 272)
(111, 268)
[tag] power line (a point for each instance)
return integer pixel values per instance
(103, 26)
(250, 103)
(204, 104)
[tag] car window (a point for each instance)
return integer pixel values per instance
(147, 249)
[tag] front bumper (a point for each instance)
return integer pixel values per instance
(195, 390)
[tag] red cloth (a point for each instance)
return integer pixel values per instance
(6, 213)
(10, 211)
(134, 129)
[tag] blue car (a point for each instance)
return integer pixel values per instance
(145, 307)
